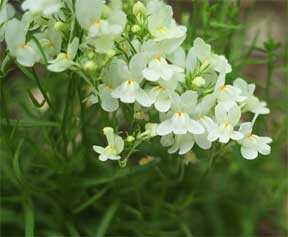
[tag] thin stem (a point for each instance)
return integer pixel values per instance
(65, 116)
(41, 89)
(269, 76)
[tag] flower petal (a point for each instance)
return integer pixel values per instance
(249, 153)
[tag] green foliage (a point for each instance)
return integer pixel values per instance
(54, 185)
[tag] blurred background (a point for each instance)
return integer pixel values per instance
(172, 197)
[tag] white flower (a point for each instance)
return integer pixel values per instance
(114, 148)
(101, 32)
(182, 143)
(251, 103)
(65, 60)
(163, 27)
(252, 144)
(202, 52)
(111, 80)
(130, 91)
(46, 7)
(179, 121)
(50, 40)
(162, 94)
(6, 12)
(226, 121)
(229, 96)
(26, 53)
(158, 68)
(150, 130)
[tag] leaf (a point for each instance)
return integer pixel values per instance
(29, 123)
(40, 49)
(107, 219)
(119, 174)
(34, 101)
(225, 26)
(29, 217)
(90, 201)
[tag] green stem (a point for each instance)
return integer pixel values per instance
(269, 76)
(36, 78)
(65, 115)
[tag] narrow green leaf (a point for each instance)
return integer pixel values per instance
(29, 123)
(29, 217)
(40, 49)
(107, 219)
(90, 201)
(34, 101)
(225, 26)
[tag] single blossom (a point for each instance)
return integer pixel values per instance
(251, 103)
(226, 121)
(178, 120)
(252, 144)
(163, 27)
(102, 29)
(130, 91)
(182, 143)
(162, 94)
(65, 61)
(158, 68)
(26, 53)
(114, 148)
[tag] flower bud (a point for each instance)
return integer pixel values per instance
(90, 66)
(60, 26)
(111, 53)
(139, 8)
(130, 139)
(199, 82)
(135, 28)
(108, 130)
(91, 55)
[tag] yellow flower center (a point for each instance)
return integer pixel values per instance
(162, 29)
(108, 86)
(180, 114)
(98, 21)
(222, 88)
(157, 58)
(24, 46)
(130, 82)
(66, 56)
(201, 117)
(226, 124)
(250, 136)
(50, 44)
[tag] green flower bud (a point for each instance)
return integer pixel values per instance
(139, 8)
(198, 82)
(135, 28)
(130, 139)
(90, 66)
(91, 55)
(111, 53)
(60, 26)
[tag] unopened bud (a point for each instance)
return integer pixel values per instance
(130, 139)
(111, 53)
(135, 28)
(91, 55)
(139, 8)
(199, 82)
(60, 26)
(90, 66)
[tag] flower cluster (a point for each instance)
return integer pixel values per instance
(131, 57)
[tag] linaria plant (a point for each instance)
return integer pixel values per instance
(146, 68)
(129, 64)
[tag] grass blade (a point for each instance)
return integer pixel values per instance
(107, 219)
